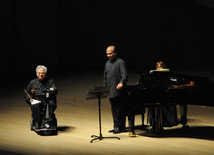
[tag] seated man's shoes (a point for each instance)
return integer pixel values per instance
(36, 126)
(32, 128)
(42, 126)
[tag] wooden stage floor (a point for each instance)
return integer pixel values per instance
(78, 120)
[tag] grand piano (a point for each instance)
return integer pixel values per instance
(159, 88)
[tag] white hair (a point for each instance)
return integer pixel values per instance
(41, 66)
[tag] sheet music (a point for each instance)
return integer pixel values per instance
(161, 70)
(102, 91)
(35, 102)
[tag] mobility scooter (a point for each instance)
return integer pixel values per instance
(49, 122)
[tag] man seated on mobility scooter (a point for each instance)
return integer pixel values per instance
(41, 94)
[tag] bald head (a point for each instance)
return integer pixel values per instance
(111, 48)
(111, 53)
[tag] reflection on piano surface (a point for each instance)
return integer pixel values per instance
(167, 88)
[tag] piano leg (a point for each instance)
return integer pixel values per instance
(142, 117)
(155, 114)
(158, 119)
(183, 110)
(131, 120)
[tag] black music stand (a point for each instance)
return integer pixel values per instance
(94, 93)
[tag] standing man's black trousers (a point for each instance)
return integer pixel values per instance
(118, 112)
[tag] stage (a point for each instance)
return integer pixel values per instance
(78, 120)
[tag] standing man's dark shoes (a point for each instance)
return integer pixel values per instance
(112, 130)
(117, 130)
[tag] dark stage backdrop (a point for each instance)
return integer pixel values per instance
(74, 34)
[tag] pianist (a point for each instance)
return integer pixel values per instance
(169, 112)
(160, 67)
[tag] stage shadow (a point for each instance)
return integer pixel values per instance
(205, 132)
(2, 152)
(65, 128)
(56, 132)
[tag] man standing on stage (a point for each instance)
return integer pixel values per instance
(115, 75)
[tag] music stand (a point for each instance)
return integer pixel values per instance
(94, 93)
